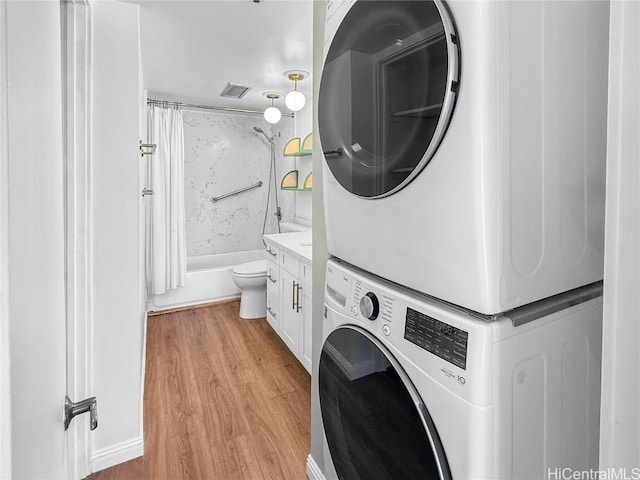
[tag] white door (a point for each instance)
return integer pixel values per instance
(32, 236)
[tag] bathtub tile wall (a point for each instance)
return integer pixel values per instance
(223, 153)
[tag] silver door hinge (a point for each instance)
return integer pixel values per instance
(72, 409)
(146, 148)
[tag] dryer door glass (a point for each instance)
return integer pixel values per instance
(376, 424)
(387, 93)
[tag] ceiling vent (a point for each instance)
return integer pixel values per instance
(234, 90)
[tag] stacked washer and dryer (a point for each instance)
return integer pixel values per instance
(464, 175)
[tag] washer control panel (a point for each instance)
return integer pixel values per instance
(446, 343)
(372, 305)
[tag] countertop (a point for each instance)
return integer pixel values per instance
(296, 243)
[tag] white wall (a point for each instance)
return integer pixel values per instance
(223, 153)
(303, 200)
(115, 198)
(142, 261)
(5, 377)
(620, 406)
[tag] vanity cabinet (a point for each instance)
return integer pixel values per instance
(289, 296)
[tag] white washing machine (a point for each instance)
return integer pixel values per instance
(412, 388)
(464, 145)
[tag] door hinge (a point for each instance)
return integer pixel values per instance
(72, 409)
(146, 148)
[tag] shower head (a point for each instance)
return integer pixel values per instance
(259, 130)
(270, 140)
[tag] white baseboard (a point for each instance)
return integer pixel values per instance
(313, 470)
(116, 454)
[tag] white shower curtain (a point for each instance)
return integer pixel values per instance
(166, 239)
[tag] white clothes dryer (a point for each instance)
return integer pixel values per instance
(411, 388)
(465, 145)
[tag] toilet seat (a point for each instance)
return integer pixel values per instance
(257, 268)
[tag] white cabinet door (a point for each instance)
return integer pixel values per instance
(290, 310)
(305, 330)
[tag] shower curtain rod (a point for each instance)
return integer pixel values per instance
(153, 101)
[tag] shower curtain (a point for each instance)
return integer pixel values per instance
(166, 238)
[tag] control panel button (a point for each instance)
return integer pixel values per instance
(369, 305)
(354, 311)
(386, 329)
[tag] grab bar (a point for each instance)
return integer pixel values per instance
(235, 192)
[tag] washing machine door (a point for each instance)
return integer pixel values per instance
(387, 93)
(376, 424)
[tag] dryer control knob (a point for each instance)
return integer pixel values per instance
(369, 306)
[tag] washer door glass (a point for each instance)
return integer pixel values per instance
(376, 425)
(387, 93)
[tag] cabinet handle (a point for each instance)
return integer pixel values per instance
(299, 306)
(273, 314)
(293, 295)
(271, 253)
(271, 279)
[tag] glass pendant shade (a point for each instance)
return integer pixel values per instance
(294, 100)
(272, 115)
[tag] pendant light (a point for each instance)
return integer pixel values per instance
(295, 99)
(272, 114)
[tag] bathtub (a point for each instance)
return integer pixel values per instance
(208, 280)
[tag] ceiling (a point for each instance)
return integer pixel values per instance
(192, 49)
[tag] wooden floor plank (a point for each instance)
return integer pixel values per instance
(224, 399)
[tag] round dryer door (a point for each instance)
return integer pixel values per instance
(387, 93)
(375, 423)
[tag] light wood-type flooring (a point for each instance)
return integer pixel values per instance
(224, 399)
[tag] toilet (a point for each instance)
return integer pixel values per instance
(251, 278)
